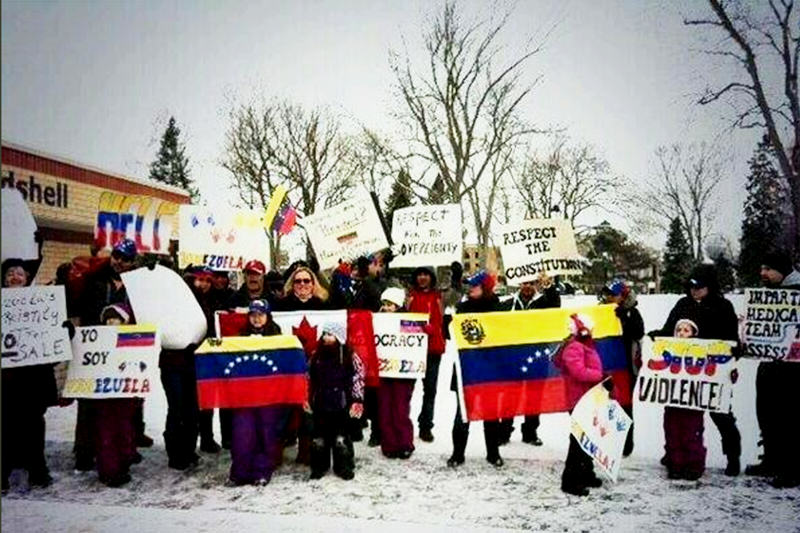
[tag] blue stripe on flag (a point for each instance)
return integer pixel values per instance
(251, 364)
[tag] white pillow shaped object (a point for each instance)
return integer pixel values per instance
(18, 227)
(161, 297)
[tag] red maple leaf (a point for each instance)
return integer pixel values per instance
(307, 335)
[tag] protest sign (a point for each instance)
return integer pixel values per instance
(148, 221)
(689, 373)
(600, 426)
(426, 235)
(531, 247)
(771, 328)
(221, 239)
(159, 296)
(32, 326)
(401, 344)
(18, 227)
(113, 362)
(345, 231)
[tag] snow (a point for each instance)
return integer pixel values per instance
(422, 493)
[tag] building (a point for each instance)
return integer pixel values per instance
(78, 207)
(472, 256)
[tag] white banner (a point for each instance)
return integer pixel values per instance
(18, 227)
(530, 247)
(32, 326)
(401, 343)
(345, 231)
(771, 327)
(600, 426)
(426, 235)
(689, 373)
(113, 362)
(221, 239)
(307, 325)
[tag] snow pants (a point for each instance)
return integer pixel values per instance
(776, 383)
(491, 436)
(396, 428)
(331, 435)
(114, 436)
(256, 442)
(683, 440)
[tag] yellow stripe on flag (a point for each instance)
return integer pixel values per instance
(274, 204)
(249, 344)
(483, 330)
(137, 328)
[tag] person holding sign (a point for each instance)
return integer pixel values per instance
(715, 319)
(480, 299)
(776, 382)
(27, 392)
(394, 397)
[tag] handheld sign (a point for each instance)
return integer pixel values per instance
(221, 239)
(771, 328)
(32, 326)
(401, 343)
(601, 426)
(530, 247)
(113, 362)
(689, 373)
(426, 235)
(18, 227)
(345, 231)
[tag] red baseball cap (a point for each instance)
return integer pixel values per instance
(256, 266)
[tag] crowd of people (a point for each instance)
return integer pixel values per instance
(340, 404)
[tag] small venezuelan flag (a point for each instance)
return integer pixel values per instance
(251, 372)
(281, 216)
(505, 360)
(136, 336)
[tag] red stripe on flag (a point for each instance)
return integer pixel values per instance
(135, 342)
(289, 219)
(252, 392)
(507, 399)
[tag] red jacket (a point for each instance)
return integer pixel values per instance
(430, 302)
(582, 369)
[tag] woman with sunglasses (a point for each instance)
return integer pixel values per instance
(303, 292)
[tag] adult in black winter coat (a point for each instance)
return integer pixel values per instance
(716, 319)
(303, 292)
(539, 294)
(480, 299)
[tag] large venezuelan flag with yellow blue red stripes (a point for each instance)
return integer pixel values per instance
(505, 360)
(251, 372)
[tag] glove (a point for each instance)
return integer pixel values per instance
(64, 402)
(356, 410)
(734, 375)
(621, 312)
(653, 334)
(70, 328)
(307, 407)
(608, 383)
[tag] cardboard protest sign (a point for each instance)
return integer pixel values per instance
(32, 326)
(345, 231)
(530, 247)
(426, 235)
(113, 362)
(18, 227)
(600, 426)
(401, 343)
(221, 239)
(161, 297)
(148, 221)
(771, 328)
(689, 373)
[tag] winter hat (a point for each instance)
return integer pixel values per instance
(123, 310)
(704, 276)
(259, 306)
(126, 248)
(427, 269)
(618, 288)
(202, 272)
(337, 329)
(274, 278)
(778, 260)
(395, 295)
(482, 278)
(691, 324)
(255, 266)
(580, 325)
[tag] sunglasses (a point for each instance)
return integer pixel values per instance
(298, 281)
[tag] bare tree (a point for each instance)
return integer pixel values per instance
(684, 185)
(462, 110)
(373, 160)
(762, 41)
(272, 143)
(564, 181)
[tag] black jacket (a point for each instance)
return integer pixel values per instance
(100, 292)
(714, 316)
(292, 303)
(549, 298)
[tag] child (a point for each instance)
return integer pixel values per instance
(111, 420)
(683, 429)
(336, 395)
(394, 397)
(256, 431)
(582, 369)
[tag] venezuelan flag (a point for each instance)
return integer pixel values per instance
(136, 336)
(251, 372)
(505, 360)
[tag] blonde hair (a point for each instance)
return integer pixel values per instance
(319, 290)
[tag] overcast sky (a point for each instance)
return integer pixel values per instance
(94, 81)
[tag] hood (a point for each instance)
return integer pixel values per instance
(793, 279)
(429, 270)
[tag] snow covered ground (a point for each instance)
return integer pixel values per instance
(420, 494)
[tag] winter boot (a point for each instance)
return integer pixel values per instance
(320, 458)
(491, 436)
(628, 449)
(304, 447)
(733, 467)
(426, 435)
(763, 469)
(343, 458)
(459, 446)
